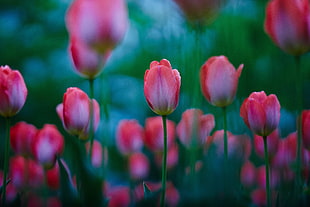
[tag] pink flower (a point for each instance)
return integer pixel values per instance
(261, 113)
(97, 153)
(47, 144)
(118, 196)
(288, 25)
(259, 197)
(100, 24)
(261, 177)
(139, 166)
(172, 157)
(306, 128)
(129, 136)
(154, 135)
(194, 125)
(248, 174)
(87, 62)
(75, 112)
(13, 91)
(203, 11)
(219, 80)
(11, 191)
(21, 137)
(162, 87)
(272, 143)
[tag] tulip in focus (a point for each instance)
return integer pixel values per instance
(261, 113)
(162, 87)
(100, 24)
(194, 125)
(74, 112)
(129, 136)
(288, 25)
(13, 91)
(219, 80)
(47, 144)
(306, 128)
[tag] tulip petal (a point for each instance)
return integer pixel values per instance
(256, 117)
(272, 110)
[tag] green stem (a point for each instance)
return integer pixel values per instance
(164, 166)
(6, 158)
(267, 171)
(225, 133)
(91, 116)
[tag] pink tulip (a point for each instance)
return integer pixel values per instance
(118, 196)
(97, 153)
(47, 144)
(100, 24)
(75, 112)
(272, 140)
(248, 174)
(139, 166)
(306, 129)
(129, 136)
(13, 91)
(21, 137)
(194, 125)
(87, 62)
(261, 113)
(219, 80)
(203, 11)
(11, 191)
(154, 140)
(172, 157)
(288, 25)
(261, 177)
(162, 87)
(258, 197)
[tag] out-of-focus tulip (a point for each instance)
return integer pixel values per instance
(100, 24)
(203, 11)
(272, 140)
(194, 125)
(219, 80)
(13, 91)
(21, 137)
(306, 128)
(288, 25)
(172, 157)
(138, 166)
(261, 177)
(129, 136)
(261, 113)
(162, 87)
(153, 139)
(74, 112)
(86, 61)
(248, 174)
(258, 197)
(97, 153)
(11, 191)
(53, 177)
(118, 196)
(47, 144)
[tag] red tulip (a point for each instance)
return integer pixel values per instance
(75, 112)
(13, 91)
(306, 129)
(138, 166)
(288, 25)
(154, 140)
(194, 125)
(47, 144)
(219, 80)
(162, 87)
(129, 136)
(100, 24)
(261, 113)
(21, 137)
(53, 177)
(272, 140)
(258, 197)
(203, 11)
(87, 62)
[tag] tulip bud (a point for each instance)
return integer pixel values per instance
(162, 87)
(261, 113)
(13, 91)
(219, 80)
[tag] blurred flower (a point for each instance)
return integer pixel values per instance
(219, 80)
(306, 129)
(194, 125)
(87, 62)
(21, 137)
(288, 25)
(203, 11)
(13, 91)
(53, 177)
(100, 24)
(47, 144)
(248, 174)
(129, 136)
(11, 191)
(272, 143)
(138, 166)
(74, 112)
(258, 197)
(172, 157)
(261, 113)
(162, 87)
(97, 153)
(154, 135)
(118, 196)
(261, 177)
